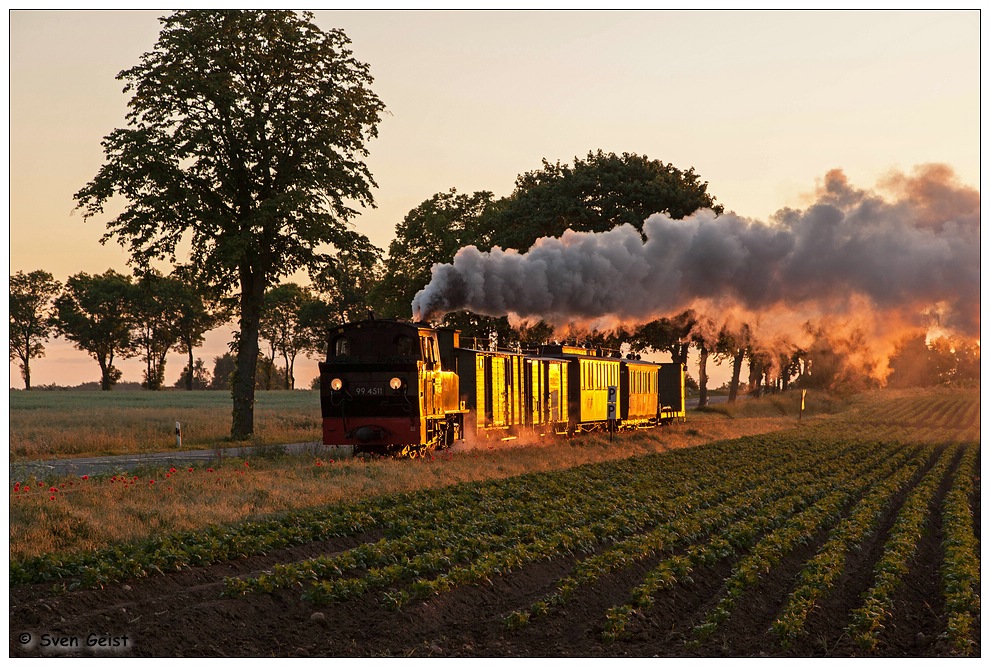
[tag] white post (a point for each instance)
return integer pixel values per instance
(178, 435)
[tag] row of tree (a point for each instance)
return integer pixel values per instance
(112, 316)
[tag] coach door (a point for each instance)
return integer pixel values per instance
(554, 387)
(497, 392)
(534, 392)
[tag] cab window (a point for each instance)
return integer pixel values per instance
(403, 346)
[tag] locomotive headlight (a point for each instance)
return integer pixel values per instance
(395, 383)
(336, 384)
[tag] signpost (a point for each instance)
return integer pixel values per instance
(613, 395)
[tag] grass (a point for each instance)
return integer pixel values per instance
(785, 404)
(67, 424)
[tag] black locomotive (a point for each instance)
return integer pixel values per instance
(401, 388)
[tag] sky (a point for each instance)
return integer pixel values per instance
(762, 104)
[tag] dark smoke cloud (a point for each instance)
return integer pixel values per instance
(908, 254)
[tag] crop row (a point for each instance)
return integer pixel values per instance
(745, 513)
(607, 508)
(821, 572)
(558, 541)
(950, 411)
(774, 547)
(960, 570)
(868, 620)
(740, 536)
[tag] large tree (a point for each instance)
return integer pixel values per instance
(246, 138)
(31, 321)
(96, 314)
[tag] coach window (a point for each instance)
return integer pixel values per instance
(342, 347)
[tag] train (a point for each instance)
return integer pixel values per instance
(397, 388)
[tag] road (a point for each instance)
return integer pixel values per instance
(112, 464)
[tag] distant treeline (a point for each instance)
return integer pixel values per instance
(112, 316)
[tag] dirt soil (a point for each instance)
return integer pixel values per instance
(183, 614)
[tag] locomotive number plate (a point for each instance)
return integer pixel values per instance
(369, 391)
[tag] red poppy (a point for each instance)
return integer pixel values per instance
(85, 476)
(171, 469)
(247, 465)
(151, 481)
(190, 470)
(52, 498)
(209, 470)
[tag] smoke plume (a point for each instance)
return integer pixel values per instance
(907, 256)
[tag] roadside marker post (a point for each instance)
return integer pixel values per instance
(178, 435)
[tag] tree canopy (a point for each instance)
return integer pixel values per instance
(94, 313)
(31, 317)
(246, 138)
(594, 195)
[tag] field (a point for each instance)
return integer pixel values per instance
(67, 424)
(854, 533)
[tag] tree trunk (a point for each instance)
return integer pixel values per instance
(26, 371)
(189, 380)
(242, 389)
(737, 361)
(703, 377)
(104, 374)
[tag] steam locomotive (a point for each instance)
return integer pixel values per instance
(402, 388)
